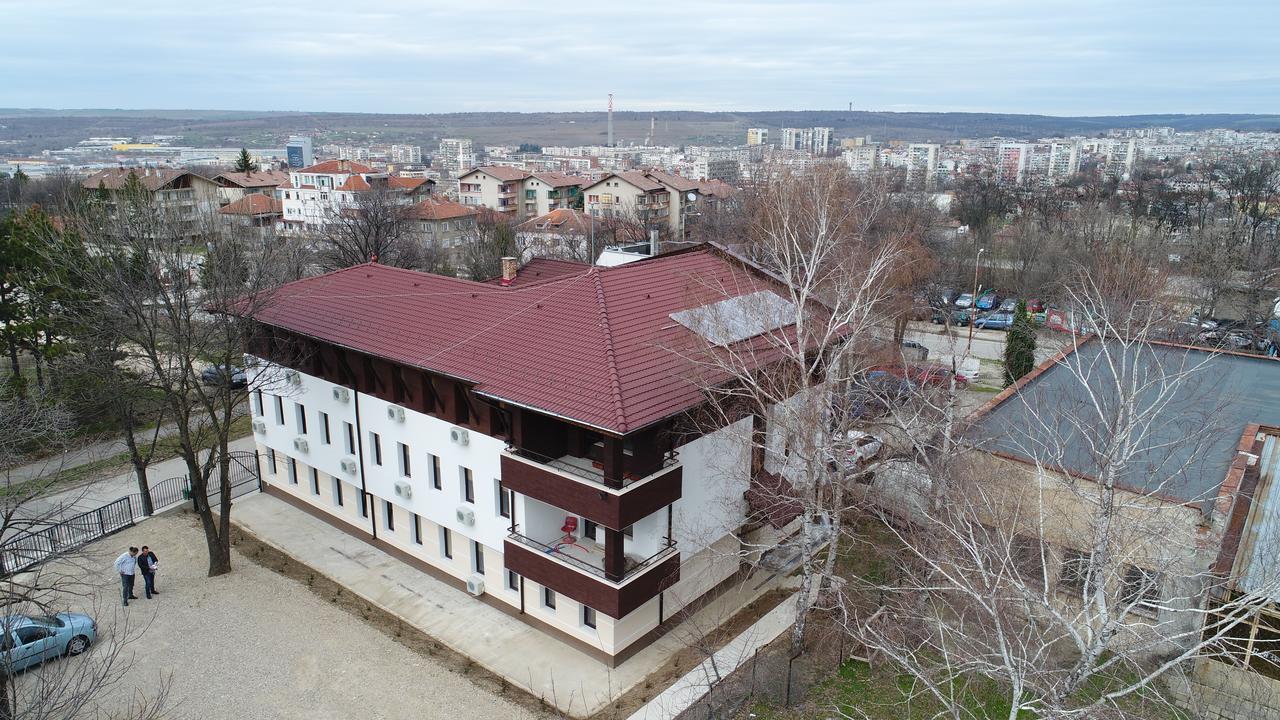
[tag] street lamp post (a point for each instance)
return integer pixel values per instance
(973, 305)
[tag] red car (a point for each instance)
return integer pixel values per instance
(929, 374)
(1035, 306)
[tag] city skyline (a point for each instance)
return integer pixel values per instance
(1086, 59)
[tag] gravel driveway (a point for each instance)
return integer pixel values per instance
(254, 644)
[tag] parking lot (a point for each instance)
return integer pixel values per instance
(254, 644)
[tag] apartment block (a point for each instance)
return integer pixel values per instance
(528, 442)
(757, 136)
(317, 193)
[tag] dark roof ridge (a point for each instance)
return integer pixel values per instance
(611, 360)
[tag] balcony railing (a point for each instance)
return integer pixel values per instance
(667, 550)
(586, 468)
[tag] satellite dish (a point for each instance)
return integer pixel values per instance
(692, 196)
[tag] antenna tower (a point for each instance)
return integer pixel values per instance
(610, 119)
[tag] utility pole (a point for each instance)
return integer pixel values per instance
(973, 304)
(610, 119)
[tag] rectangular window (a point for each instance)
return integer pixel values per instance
(588, 529)
(337, 492)
(271, 456)
(404, 459)
(293, 471)
(300, 415)
(504, 500)
(257, 403)
(364, 504)
(1141, 588)
(477, 557)
(1028, 559)
(588, 617)
(389, 515)
(436, 481)
(446, 543)
(324, 429)
(279, 410)
(468, 489)
(375, 446)
(1074, 576)
(351, 438)
(548, 598)
(315, 481)
(417, 529)
(513, 580)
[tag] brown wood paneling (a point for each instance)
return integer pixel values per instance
(597, 594)
(592, 503)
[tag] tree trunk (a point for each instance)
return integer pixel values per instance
(139, 468)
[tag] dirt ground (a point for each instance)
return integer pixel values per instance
(257, 644)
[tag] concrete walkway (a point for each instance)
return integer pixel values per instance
(565, 677)
(689, 689)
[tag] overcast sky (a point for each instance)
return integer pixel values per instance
(1040, 56)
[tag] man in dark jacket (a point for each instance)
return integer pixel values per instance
(147, 564)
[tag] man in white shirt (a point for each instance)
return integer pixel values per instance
(127, 566)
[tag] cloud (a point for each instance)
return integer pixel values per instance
(1085, 57)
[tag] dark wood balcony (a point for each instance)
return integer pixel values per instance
(577, 486)
(585, 579)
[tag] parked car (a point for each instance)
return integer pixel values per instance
(987, 300)
(1036, 306)
(873, 397)
(995, 321)
(965, 300)
(921, 374)
(1009, 305)
(955, 317)
(220, 375)
(32, 639)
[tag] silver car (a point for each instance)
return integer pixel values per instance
(31, 639)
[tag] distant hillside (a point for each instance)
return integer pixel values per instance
(33, 130)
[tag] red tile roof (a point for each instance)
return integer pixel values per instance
(335, 167)
(259, 179)
(431, 209)
(404, 183)
(501, 172)
(675, 182)
(598, 346)
(151, 178)
(560, 220)
(254, 204)
(560, 180)
(636, 178)
(355, 183)
(539, 270)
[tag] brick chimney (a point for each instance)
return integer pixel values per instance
(509, 270)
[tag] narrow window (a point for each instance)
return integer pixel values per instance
(417, 529)
(293, 471)
(548, 598)
(300, 414)
(279, 410)
(1076, 572)
(389, 515)
(468, 489)
(315, 481)
(446, 543)
(364, 503)
(257, 403)
(1141, 588)
(588, 617)
(404, 459)
(588, 529)
(513, 580)
(504, 500)
(337, 492)
(351, 438)
(271, 455)
(477, 557)
(324, 429)
(375, 444)
(436, 481)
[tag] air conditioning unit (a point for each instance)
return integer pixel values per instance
(395, 413)
(460, 436)
(475, 584)
(259, 427)
(466, 516)
(349, 466)
(293, 377)
(301, 445)
(403, 489)
(341, 394)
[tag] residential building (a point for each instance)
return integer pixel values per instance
(456, 156)
(862, 159)
(820, 142)
(757, 136)
(186, 198)
(547, 191)
(650, 200)
(1064, 161)
(922, 165)
(298, 152)
(1011, 163)
(263, 213)
(234, 185)
(316, 193)
(446, 224)
(1119, 159)
(561, 233)
(405, 154)
(530, 444)
(796, 139)
(495, 187)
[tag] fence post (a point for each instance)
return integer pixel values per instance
(102, 526)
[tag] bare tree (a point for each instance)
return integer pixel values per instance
(377, 227)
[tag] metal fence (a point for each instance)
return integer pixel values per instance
(28, 549)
